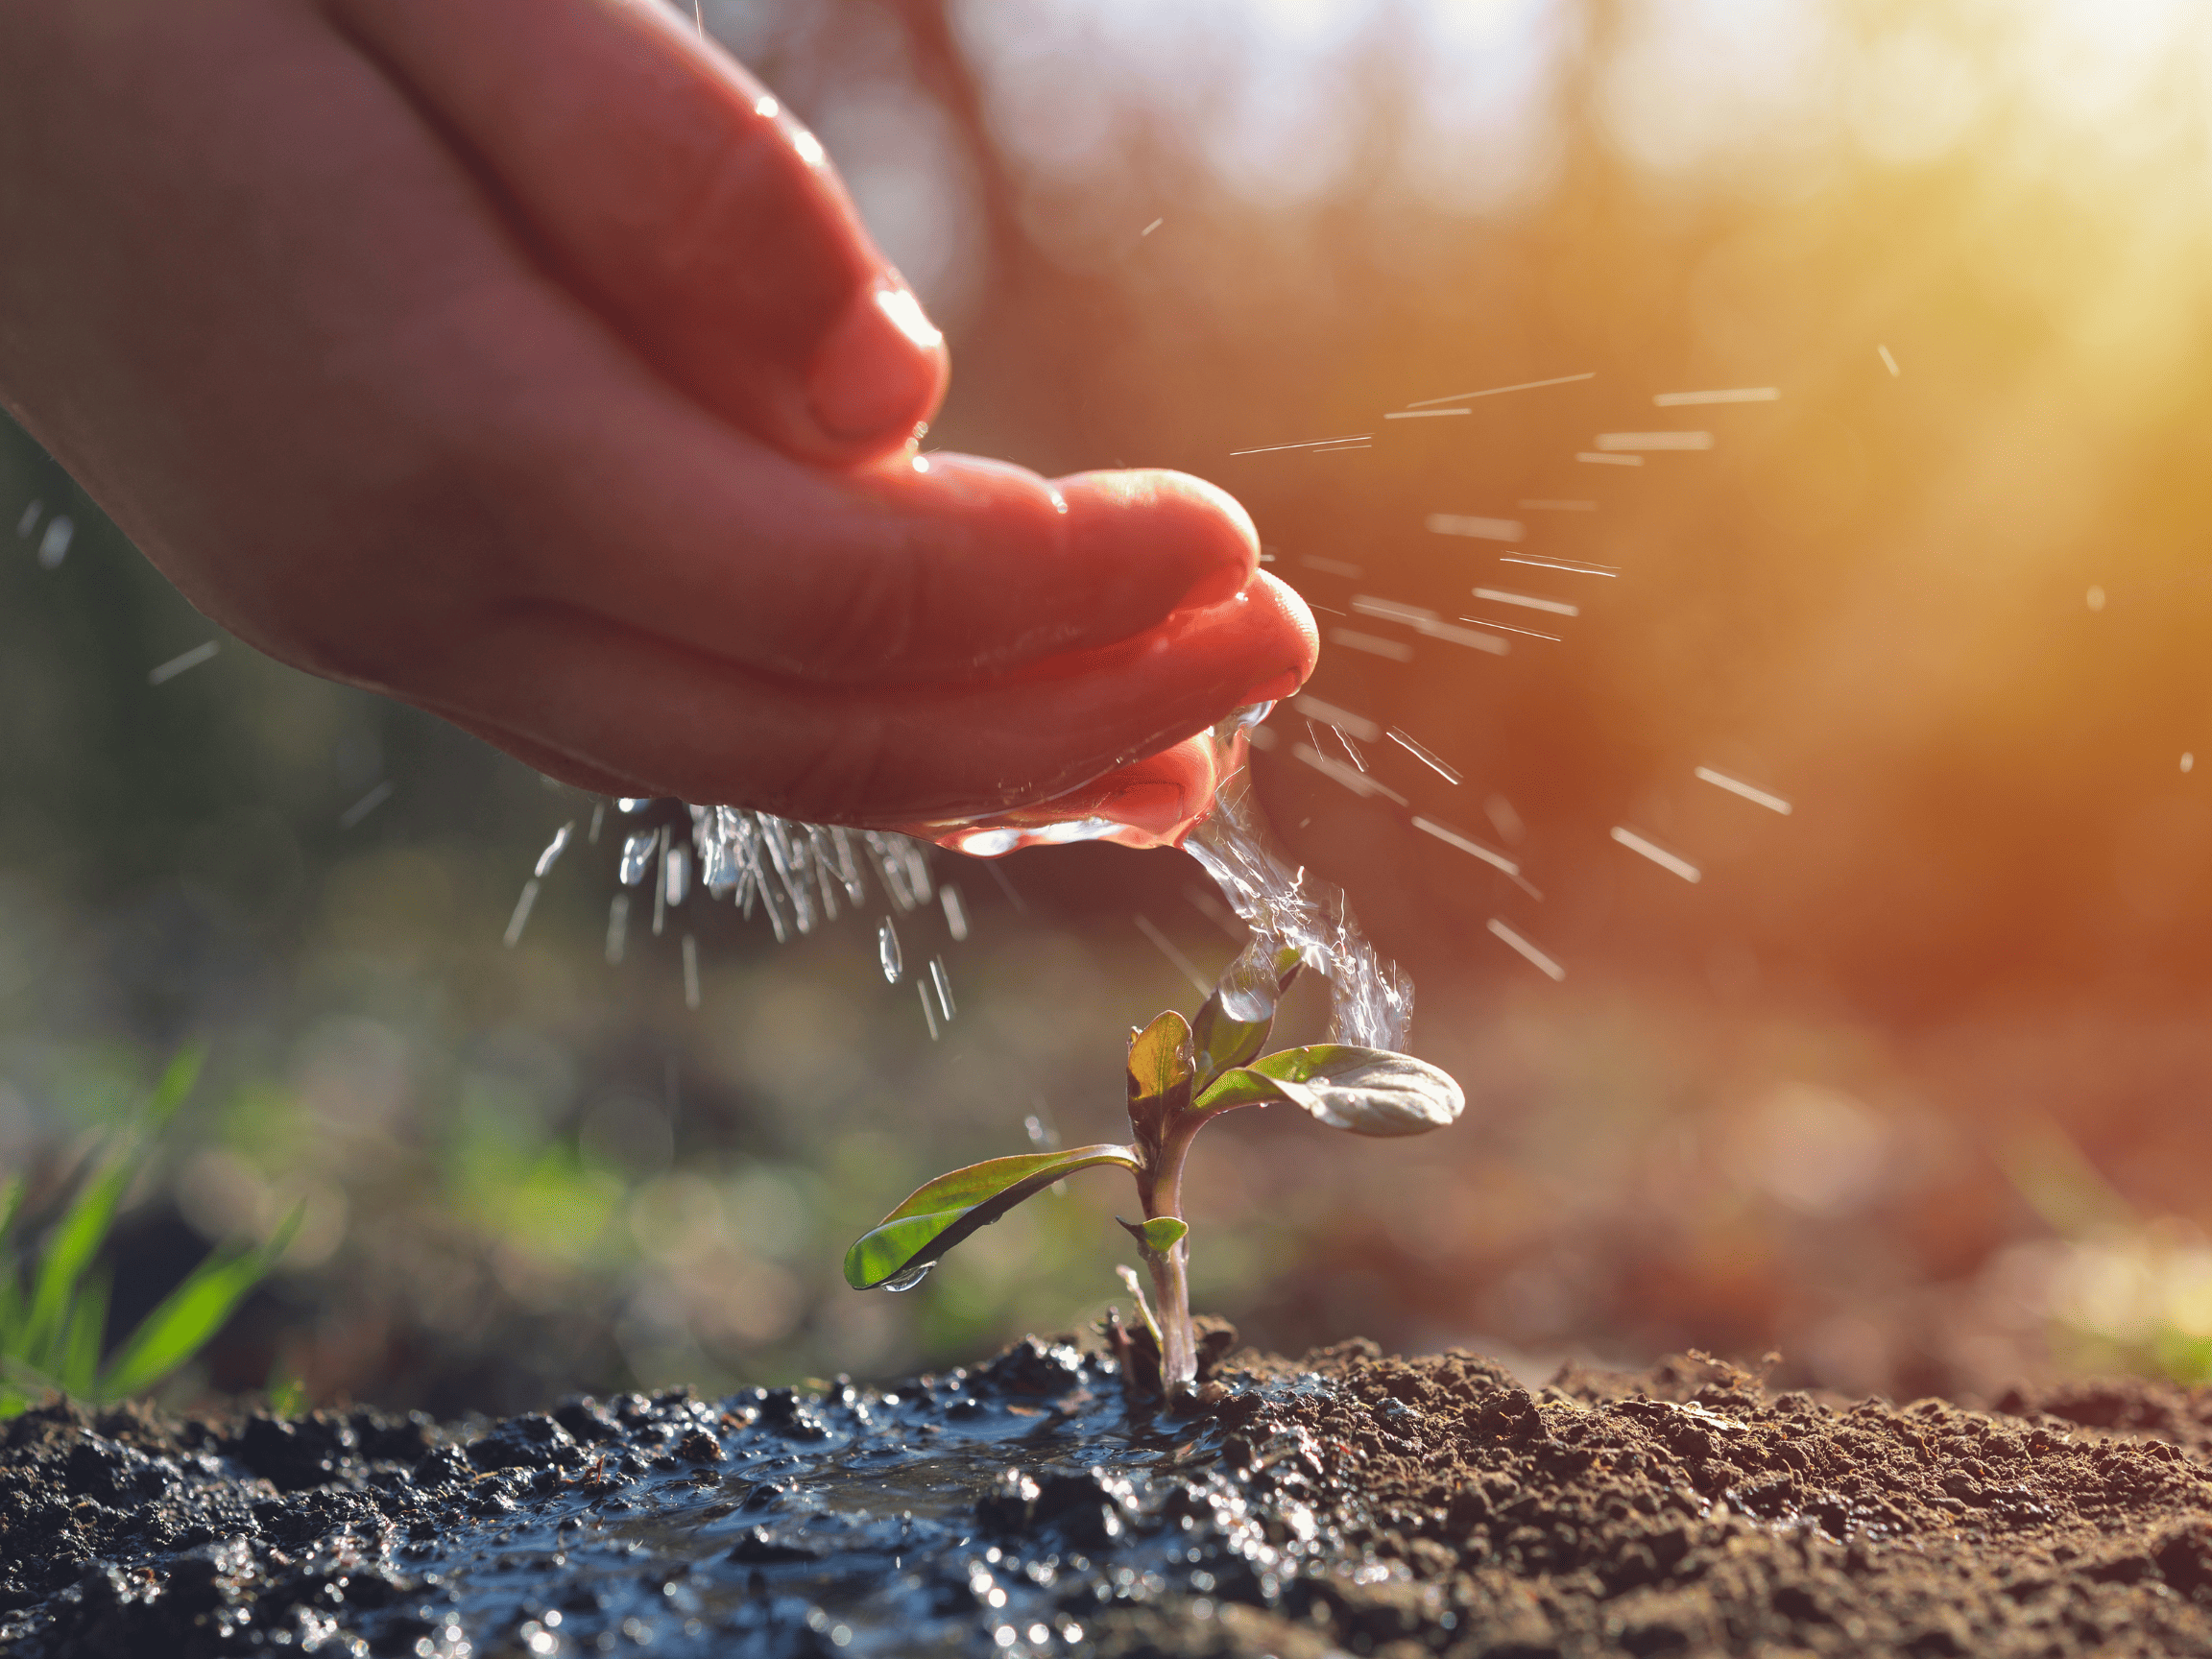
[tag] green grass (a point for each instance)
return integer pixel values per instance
(53, 1303)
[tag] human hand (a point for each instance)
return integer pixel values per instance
(522, 360)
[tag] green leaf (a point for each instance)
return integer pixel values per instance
(76, 1240)
(176, 1083)
(1224, 1043)
(938, 1215)
(192, 1314)
(1158, 1235)
(1159, 1056)
(1364, 1090)
(1161, 1072)
(11, 1286)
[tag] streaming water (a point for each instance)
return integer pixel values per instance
(1371, 1002)
(1196, 796)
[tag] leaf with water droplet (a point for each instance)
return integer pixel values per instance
(940, 1214)
(1233, 1024)
(1362, 1091)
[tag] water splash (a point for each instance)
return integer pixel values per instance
(1195, 796)
(1371, 1002)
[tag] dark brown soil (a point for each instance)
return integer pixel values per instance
(1348, 1503)
(1687, 1511)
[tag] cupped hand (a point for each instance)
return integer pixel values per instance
(524, 360)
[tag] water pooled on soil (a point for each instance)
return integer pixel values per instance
(1350, 1503)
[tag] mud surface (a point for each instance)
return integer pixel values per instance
(1348, 1503)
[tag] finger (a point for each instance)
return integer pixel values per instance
(555, 763)
(940, 567)
(698, 215)
(1154, 800)
(687, 725)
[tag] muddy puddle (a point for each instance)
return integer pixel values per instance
(1003, 1510)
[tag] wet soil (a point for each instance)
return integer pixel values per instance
(1344, 1503)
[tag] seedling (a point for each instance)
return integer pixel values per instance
(1181, 1074)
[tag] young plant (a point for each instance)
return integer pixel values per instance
(1181, 1074)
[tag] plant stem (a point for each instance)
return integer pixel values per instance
(1161, 1190)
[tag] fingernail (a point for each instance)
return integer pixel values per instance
(878, 369)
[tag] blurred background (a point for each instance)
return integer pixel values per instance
(1910, 1084)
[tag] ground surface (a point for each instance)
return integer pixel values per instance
(1346, 1503)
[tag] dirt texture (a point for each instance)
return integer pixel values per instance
(1344, 1503)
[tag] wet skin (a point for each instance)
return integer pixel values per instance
(525, 361)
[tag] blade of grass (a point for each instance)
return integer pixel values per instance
(192, 1314)
(10, 1285)
(175, 1084)
(80, 1356)
(76, 1240)
(21, 1385)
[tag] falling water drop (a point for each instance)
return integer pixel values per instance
(888, 950)
(554, 848)
(907, 1280)
(637, 855)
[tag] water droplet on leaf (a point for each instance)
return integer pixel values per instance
(907, 1280)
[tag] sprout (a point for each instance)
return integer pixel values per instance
(1180, 1075)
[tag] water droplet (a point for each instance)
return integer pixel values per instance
(907, 1280)
(54, 545)
(554, 848)
(888, 950)
(1247, 987)
(633, 803)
